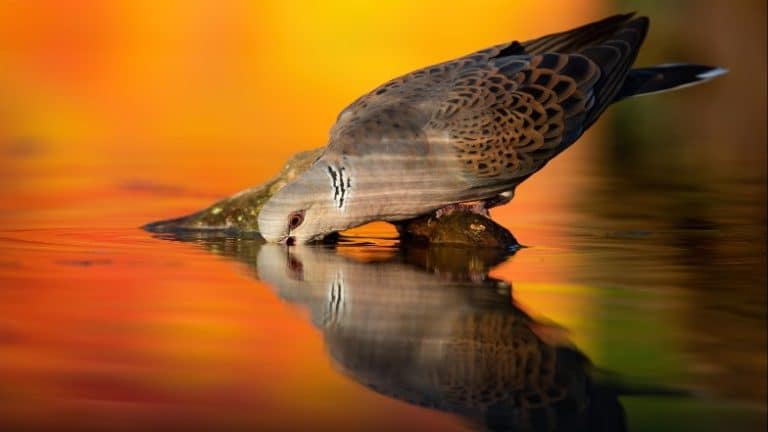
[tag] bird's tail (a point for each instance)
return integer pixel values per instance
(666, 77)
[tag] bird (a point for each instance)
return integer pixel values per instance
(468, 130)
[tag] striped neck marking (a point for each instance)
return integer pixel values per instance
(340, 183)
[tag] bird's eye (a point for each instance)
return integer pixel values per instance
(295, 219)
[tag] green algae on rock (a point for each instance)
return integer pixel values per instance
(240, 212)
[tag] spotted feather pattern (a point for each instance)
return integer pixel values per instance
(511, 116)
(523, 369)
(488, 359)
(502, 112)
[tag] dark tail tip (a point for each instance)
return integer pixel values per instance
(666, 77)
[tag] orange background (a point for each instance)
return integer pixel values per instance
(117, 113)
(216, 95)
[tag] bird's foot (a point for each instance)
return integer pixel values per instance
(477, 207)
(500, 199)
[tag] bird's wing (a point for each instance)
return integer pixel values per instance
(393, 117)
(506, 110)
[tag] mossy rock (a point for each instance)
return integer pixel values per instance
(460, 228)
(239, 213)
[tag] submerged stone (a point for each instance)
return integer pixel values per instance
(461, 228)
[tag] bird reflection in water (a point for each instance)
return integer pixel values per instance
(429, 326)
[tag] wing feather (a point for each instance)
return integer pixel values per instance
(505, 110)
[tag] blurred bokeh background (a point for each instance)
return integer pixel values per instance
(213, 96)
(116, 113)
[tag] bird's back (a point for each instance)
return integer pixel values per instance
(484, 122)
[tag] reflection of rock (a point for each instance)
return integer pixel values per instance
(455, 263)
(239, 214)
(458, 344)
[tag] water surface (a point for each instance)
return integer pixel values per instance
(649, 316)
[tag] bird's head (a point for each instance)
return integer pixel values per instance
(306, 209)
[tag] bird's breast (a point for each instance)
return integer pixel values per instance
(397, 186)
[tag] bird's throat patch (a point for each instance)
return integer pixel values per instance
(341, 184)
